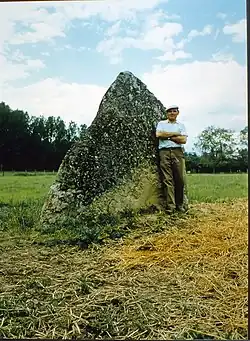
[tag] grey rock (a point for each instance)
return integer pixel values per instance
(120, 140)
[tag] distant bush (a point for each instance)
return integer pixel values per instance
(33, 173)
(24, 174)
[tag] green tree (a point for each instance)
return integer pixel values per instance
(72, 132)
(83, 131)
(14, 136)
(218, 146)
(242, 153)
(37, 127)
(244, 137)
(192, 162)
(50, 128)
(33, 142)
(60, 131)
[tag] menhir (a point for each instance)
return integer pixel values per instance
(119, 140)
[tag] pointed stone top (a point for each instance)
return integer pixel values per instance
(126, 81)
(126, 73)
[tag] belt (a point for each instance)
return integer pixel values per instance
(172, 148)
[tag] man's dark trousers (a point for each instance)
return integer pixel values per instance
(173, 172)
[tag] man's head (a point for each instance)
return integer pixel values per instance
(172, 113)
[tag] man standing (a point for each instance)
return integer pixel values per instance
(172, 136)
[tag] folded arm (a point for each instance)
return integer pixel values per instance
(181, 139)
(163, 135)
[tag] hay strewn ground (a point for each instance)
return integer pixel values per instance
(188, 280)
(207, 256)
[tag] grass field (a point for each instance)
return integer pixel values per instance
(178, 278)
(202, 188)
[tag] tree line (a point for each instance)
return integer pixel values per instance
(34, 143)
(38, 143)
(220, 150)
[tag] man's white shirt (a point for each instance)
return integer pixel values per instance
(166, 126)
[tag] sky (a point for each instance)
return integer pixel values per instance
(59, 58)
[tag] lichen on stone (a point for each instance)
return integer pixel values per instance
(119, 141)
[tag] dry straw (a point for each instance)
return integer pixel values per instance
(187, 282)
(209, 256)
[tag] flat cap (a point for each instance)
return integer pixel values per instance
(172, 107)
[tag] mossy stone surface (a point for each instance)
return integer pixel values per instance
(120, 139)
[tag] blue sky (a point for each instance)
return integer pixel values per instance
(59, 58)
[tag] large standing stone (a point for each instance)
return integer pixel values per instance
(120, 140)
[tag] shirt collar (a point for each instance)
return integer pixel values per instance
(171, 122)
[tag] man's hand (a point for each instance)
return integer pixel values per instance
(165, 135)
(181, 139)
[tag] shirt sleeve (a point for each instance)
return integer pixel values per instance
(159, 127)
(183, 130)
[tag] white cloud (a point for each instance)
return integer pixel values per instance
(221, 56)
(35, 64)
(32, 23)
(17, 56)
(114, 29)
(36, 23)
(52, 97)
(131, 32)
(111, 10)
(68, 47)
(207, 30)
(167, 30)
(172, 56)
(156, 37)
(11, 71)
(155, 18)
(237, 31)
(40, 32)
(208, 93)
(221, 15)
(25, 23)
(154, 30)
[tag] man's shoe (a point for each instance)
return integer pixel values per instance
(181, 209)
(169, 212)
